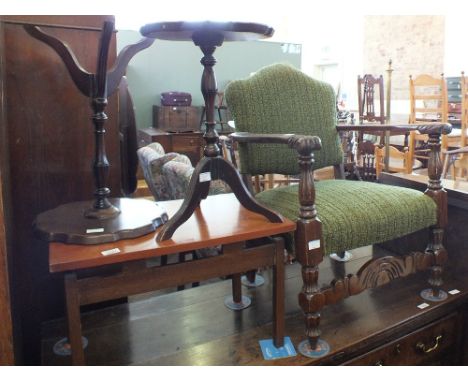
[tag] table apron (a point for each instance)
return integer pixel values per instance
(127, 283)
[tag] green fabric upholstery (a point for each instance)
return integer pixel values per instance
(356, 213)
(280, 99)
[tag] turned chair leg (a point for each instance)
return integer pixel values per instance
(435, 248)
(312, 300)
(439, 255)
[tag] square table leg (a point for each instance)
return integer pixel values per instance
(278, 293)
(74, 320)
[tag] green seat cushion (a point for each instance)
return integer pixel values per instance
(356, 213)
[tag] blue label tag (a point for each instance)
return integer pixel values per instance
(270, 351)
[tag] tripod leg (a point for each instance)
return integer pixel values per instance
(197, 191)
(229, 174)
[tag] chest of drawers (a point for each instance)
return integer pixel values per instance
(434, 344)
(189, 143)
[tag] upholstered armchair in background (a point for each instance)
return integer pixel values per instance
(286, 123)
(168, 174)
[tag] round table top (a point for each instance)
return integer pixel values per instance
(184, 31)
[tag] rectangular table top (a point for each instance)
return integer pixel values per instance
(220, 219)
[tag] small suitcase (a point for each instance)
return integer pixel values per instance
(176, 99)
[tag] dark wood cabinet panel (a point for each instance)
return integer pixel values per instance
(434, 344)
(6, 326)
(49, 151)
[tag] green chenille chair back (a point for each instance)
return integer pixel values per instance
(280, 99)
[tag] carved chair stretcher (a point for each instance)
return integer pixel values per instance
(332, 215)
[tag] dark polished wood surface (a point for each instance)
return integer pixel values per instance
(220, 219)
(457, 190)
(148, 332)
(7, 356)
(183, 31)
(6, 327)
(48, 154)
(68, 224)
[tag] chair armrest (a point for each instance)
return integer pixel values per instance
(304, 145)
(428, 128)
(299, 142)
(463, 150)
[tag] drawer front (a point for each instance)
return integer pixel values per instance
(180, 141)
(425, 346)
(188, 144)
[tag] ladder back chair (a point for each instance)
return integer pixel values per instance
(428, 104)
(400, 161)
(457, 160)
(370, 106)
(464, 110)
(368, 86)
(371, 109)
(286, 123)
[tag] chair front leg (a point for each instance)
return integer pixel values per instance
(309, 251)
(435, 248)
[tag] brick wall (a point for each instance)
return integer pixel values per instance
(414, 43)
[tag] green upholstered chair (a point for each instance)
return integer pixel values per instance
(279, 109)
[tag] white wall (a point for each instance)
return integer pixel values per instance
(456, 52)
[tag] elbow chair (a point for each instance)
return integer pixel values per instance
(286, 123)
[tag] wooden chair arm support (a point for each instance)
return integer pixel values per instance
(304, 144)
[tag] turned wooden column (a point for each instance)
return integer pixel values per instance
(309, 246)
(208, 41)
(102, 220)
(436, 191)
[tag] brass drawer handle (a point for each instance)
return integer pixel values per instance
(422, 347)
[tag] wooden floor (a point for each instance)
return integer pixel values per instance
(193, 327)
